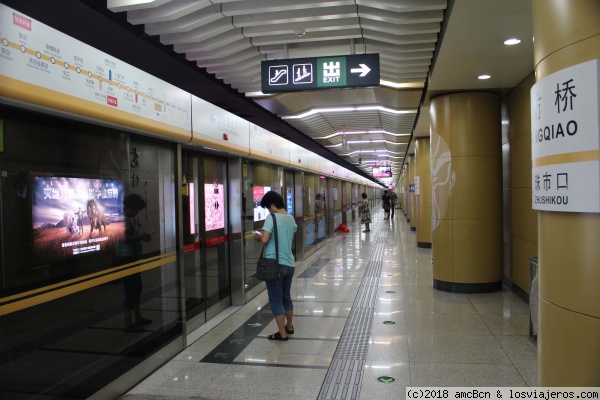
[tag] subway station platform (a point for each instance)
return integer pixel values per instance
(368, 324)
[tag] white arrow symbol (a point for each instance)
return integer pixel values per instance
(254, 325)
(221, 355)
(363, 68)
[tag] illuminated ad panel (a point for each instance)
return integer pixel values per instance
(382, 172)
(258, 192)
(74, 216)
(214, 206)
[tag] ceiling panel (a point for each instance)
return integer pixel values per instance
(229, 39)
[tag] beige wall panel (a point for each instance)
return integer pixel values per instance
(442, 251)
(520, 109)
(413, 198)
(424, 229)
(264, 174)
(423, 171)
(477, 256)
(575, 54)
(557, 24)
(423, 159)
(439, 112)
(522, 251)
(568, 348)
(477, 193)
(408, 195)
(475, 124)
(521, 161)
(424, 199)
(524, 218)
(570, 260)
(442, 187)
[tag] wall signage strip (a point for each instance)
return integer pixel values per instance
(565, 140)
(36, 54)
(44, 67)
(335, 72)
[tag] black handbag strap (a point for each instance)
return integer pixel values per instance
(276, 241)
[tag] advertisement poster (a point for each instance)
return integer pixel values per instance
(74, 216)
(382, 172)
(310, 233)
(321, 228)
(258, 193)
(214, 206)
(289, 201)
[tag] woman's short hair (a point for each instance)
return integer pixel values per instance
(364, 195)
(134, 202)
(272, 198)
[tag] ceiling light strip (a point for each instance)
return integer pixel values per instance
(318, 110)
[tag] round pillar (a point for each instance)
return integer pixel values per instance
(466, 175)
(423, 196)
(567, 33)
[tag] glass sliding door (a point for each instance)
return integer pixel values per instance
(205, 238)
(216, 236)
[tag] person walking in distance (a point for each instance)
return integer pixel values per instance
(386, 202)
(393, 200)
(280, 297)
(365, 213)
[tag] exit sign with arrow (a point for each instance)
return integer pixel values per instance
(359, 70)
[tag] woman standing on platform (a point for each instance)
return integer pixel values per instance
(365, 213)
(280, 297)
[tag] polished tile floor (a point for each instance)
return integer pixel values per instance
(436, 338)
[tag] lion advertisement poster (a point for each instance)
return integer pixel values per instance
(75, 216)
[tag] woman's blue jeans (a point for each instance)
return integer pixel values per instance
(279, 291)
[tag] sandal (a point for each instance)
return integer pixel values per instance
(289, 331)
(277, 336)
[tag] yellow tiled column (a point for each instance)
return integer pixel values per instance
(466, 176)
(412, 212)
(404, 195)
(423, 198)
(567, 33)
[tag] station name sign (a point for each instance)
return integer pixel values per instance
(565, 140)
(335, 72)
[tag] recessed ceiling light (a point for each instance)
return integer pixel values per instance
(512, 41)
(484, 76)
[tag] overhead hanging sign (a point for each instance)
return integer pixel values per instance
(288, 75)
(565, 140)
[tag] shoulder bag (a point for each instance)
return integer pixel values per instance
(267, 269)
